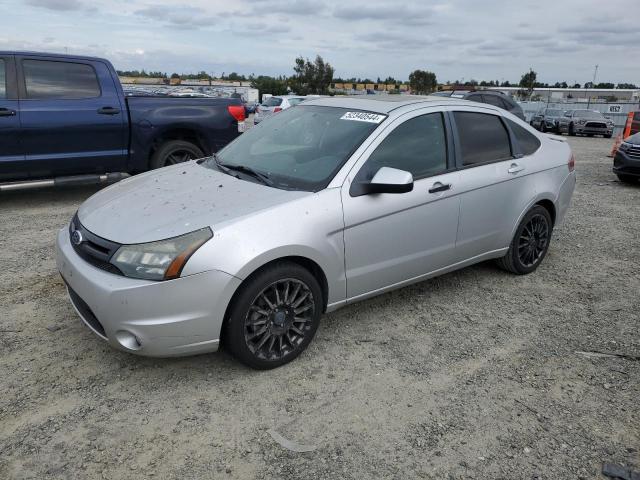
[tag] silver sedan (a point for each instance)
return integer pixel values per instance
(329, 203)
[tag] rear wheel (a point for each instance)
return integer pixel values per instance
(530, 242)
(627, 178)
(274, 316)
(173, 152)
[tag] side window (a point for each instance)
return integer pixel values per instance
(483, 138)
(508, 104)
(475, 98)
(528, 142)
(3, 80)
(494, 100)
(418, 145)
(59, 80)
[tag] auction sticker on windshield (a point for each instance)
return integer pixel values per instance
(363, 117)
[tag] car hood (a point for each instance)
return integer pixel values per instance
(173, 201)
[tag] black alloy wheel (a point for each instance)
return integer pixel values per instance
(274, 316)
(533, 240)
(174, 152)
(530, 242)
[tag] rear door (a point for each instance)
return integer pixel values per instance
(493, 182)
(72, 118)
(11, 153)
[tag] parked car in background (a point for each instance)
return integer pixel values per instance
(66, 119)
(585, 122)
(250, 108)
(276, 104)
(546, 120)
(326, 204)
(491, 97)
(626, 163)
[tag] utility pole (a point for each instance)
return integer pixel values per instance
(593, 85)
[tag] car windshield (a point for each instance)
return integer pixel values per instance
(272, 102)
(553, 112)
(301, 148)
(587, 114)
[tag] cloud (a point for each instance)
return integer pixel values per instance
(57, 5)
(290, 7)
(400, 14)
(178, 15)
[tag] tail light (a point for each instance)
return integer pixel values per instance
(277, 109)
(237, 112)
(572, 163)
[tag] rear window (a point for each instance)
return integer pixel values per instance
(495, 101)
(59, 80)
(483, 138)
(528, 142)
(295, 101)
(272, 102)
(3, 80)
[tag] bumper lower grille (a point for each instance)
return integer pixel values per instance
(93, 249)
(86, 313)
(595, 125)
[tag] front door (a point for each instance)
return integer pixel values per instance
(11, 153)
(394, 238)
(72, 118)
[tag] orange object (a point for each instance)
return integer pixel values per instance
(616, 145)
(627, 127)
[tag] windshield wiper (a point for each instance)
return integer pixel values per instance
(244, 169)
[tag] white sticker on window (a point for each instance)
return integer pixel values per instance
(363, 117)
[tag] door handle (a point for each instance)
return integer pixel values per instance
(108, 111)
(7, 112)
(515, 168)
(439, 187)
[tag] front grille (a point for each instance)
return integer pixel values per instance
(93, 249)
(596, 125)
(634, 152)
(86, 313)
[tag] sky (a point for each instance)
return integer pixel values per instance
(456, 39)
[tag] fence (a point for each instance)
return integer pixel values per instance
(615, 111)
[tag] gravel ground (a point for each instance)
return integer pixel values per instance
(475, 374)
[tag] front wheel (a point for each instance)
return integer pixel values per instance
(627, 178)
(274, 316)
(530, 242)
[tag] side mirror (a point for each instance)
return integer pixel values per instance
(386, 180)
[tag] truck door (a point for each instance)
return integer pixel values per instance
(11, 153)
(72, 118)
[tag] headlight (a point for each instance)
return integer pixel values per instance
(581, 122)
(162, 260)
(624, 146)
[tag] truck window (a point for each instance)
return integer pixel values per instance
(59, 80)
(3, 80)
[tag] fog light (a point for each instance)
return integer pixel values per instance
(128, 340)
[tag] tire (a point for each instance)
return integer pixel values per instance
(543, 128)
(174, 152)
(627, 178)
(608, 135)
(518, 259)
(268, 307)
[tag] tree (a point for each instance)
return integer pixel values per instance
(422, 82)
(528, 81)
(311, 78)
(627, 85)
(576, 85)
(266, 84)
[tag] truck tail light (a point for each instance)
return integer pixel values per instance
(572, 163)
(277, 109)
(237, 112)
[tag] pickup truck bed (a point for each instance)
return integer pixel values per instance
(63, 116)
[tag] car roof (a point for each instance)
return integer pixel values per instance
(62, 56)
(386, 103)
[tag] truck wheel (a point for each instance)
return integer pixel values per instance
(175, 151)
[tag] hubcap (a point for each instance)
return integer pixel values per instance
(178, 156)
(533, 240)
(279, 319)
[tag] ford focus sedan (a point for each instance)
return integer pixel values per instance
(329, 203)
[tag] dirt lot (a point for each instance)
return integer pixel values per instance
(472, 375)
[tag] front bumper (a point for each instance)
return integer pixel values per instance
(625, 164)
(159, 319)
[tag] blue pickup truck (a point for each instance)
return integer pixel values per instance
(65, 119)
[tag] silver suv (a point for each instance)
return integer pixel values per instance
(326, 204)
